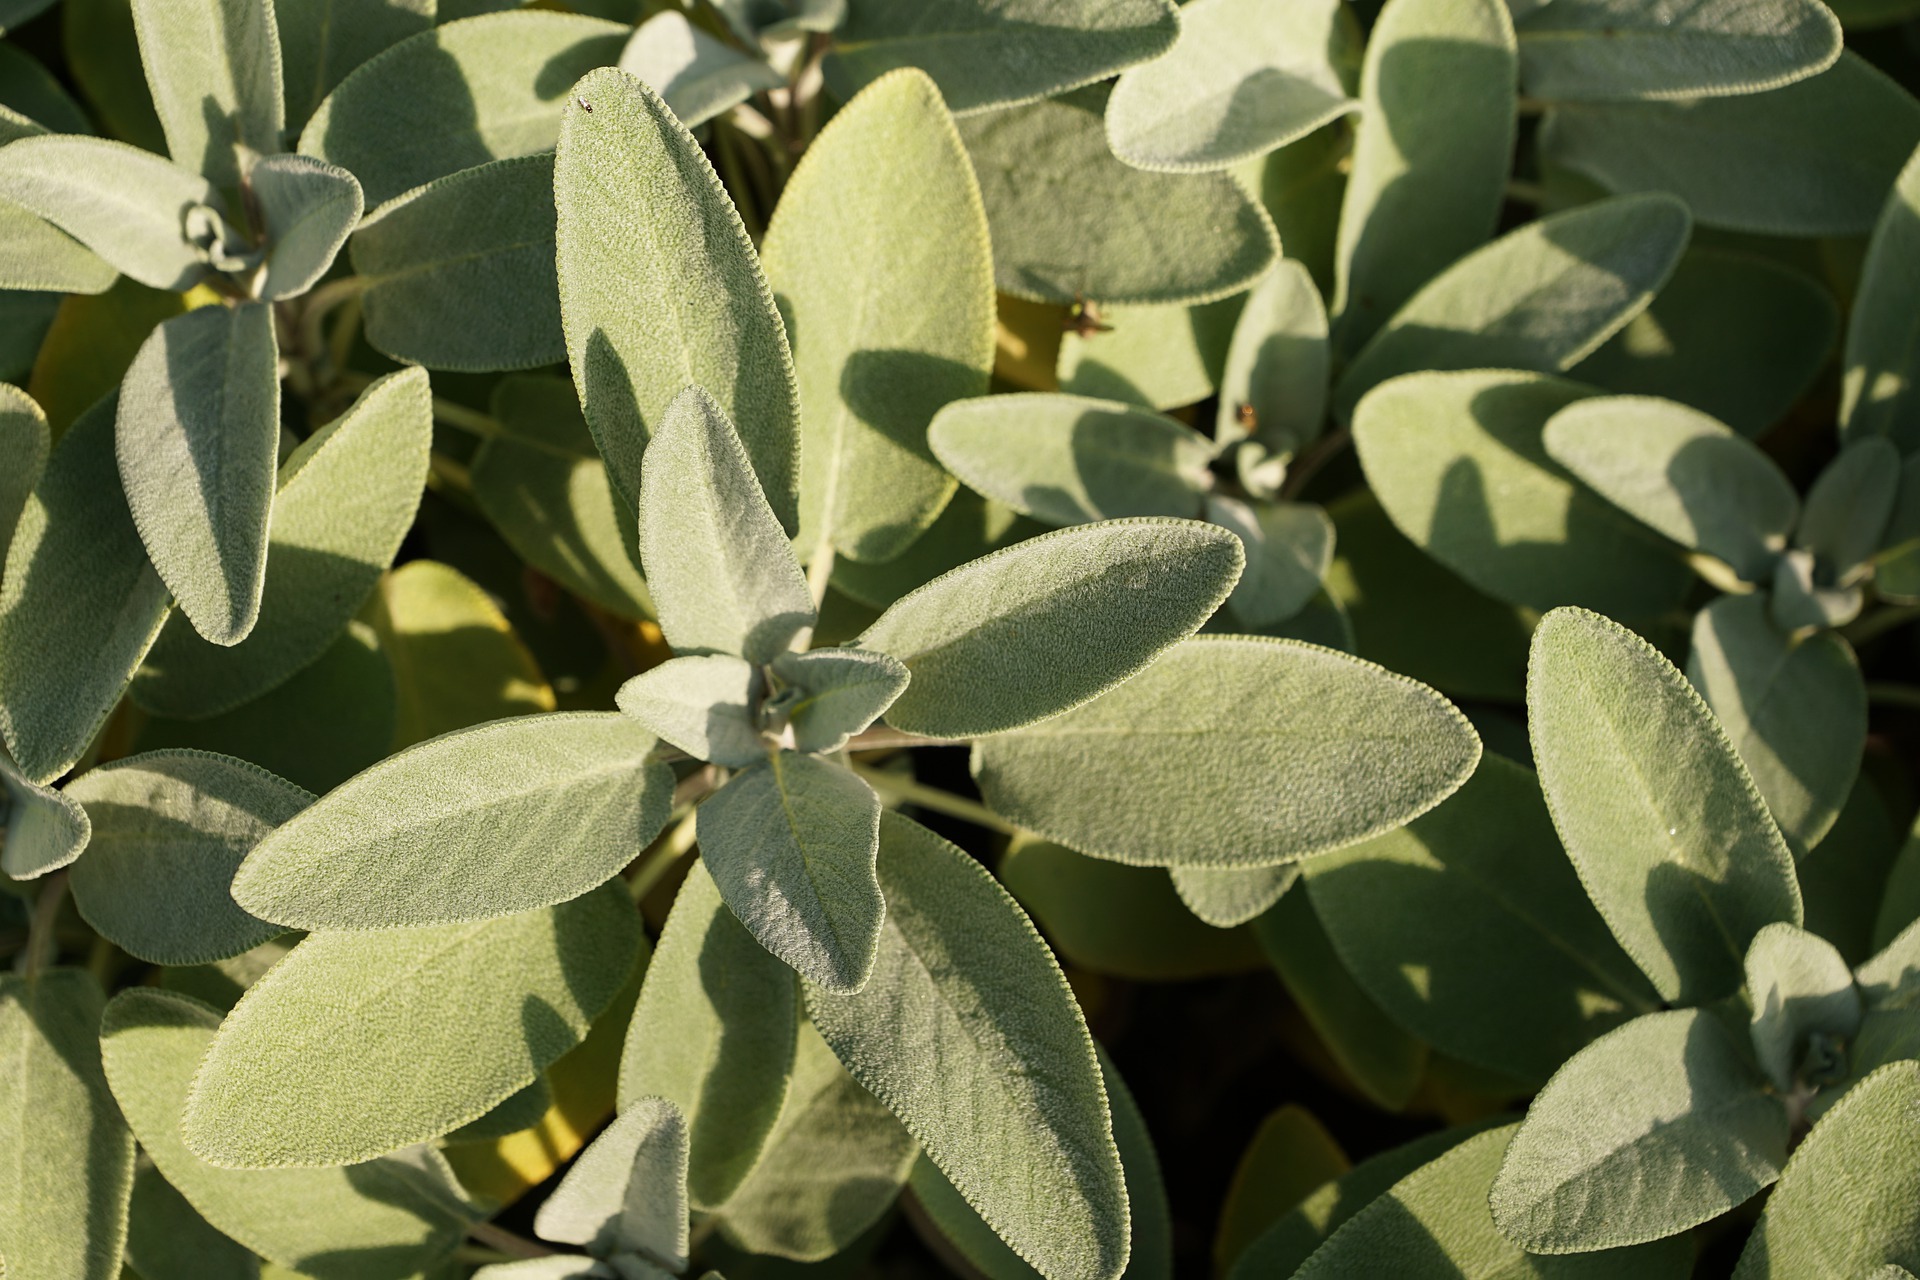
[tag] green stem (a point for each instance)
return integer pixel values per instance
(1885, 694)
(899, 790)
(471, 421)
(508, 1242)
(1879, 622)
(1308, 464)
(654, 867)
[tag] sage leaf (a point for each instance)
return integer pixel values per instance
(837, 693)
(39, 256)
(1041, 627)
(1289, 547)
(169, 1240)
(1290, 1157)
(309, 206)
(969, 528)
(79, 604)
(486, 88)
(1882, 357)
(660, 288)
(1159, 357)
(1653, 1128)
(1542, 297)
(992, 53)
(1124, 235)
(16, 13)
(1277, 365)
(517, 1112)
(714, 1035)
(559, 1266)
(1891, 978)
(878, 254)
(791, 843)
(1848, 508)
(64, 1212)
(1241, 80)
(198, 436)
(697, 76)
(490, 821)
(627, 1192)
(424, 256)
(768, 22)
(44, 829)
(1014, 1113)
(705, 706)
(1661, 819)
(378, 1220)
(127, 205)
(1805, 1007)
(213, 67)
(1611, 51)
(321, 42)
(439, 1025)
(169, 828)
(722, 575)
(1229, 896)
(30, 87)
(1430, 155)
(25, 442)
(1071, 460)
(1345, 750)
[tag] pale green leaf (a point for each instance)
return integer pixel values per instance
(878, 255)
(123, 203)
(41, 829)
(1805, 596)
(969, 528)
(213, 67)
(1891, 978)
(1289, 547)
(558, 1266)
(836, 693)
(1302, 749)
(706, 706)
(697, 76)
(322, 40)
(497, 819)
(358, 1044)
(167, 1239)
(1290, 1156)
(627, 1193)
(309, 206)
(1159, 357)
(1848, 508)
(1805, 1007)
(1277, 365)
(518, 1111)
(25, 442)
(37, 256)
(1882, 358)
(1229, 896)
(1617, 50)
(103, 52)
(772, 22)
(968, 1032)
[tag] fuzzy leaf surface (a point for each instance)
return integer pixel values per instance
(125, 204)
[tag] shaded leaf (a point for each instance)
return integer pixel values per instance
(1805, 1007)
(837, 693)
(320, 42)
(1612, 50)
(309, 206)
(125, 204)
(1289, 546)
(628, 1190)
(39, 256)
(1290, 1156)
(1882, 356)
(706, 706)
(214, 69)
(1229, 896)
(697, 76)
(1847, 509)
(1277, 365)
(167, 1239)
(44, 829)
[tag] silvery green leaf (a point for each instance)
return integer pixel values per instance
(1660, 817)
(322, 40)
(1681, 473)
(15, 125)
(878, 254)
(346, 498)
(1542, 297)
(1158, 357)
(1805, 1006)
(1070, 460)
(968, 1032)
(1891, 978)
(1277, 365)
(64, 1211)
(1229, 896)
(380, 1220)
(1814, 158)
(790, 842)
(771, 22)
(1304, 750)
(837, 693)
(41, 829)
(1804, 596)
(969, 528)
(1430, 155)
(213, 67)
(1243, 79)
(1123, 235)
(25, 442)
(26, 317)
(1043, 626)
(127, 205)
(426, 255)
(684, 304)
(487, 88)
(1616, 50)
(703, 705)
(994, 53)
(517, 1112)
(79, 603)
(489, 821)
(309, 206)
(1848, 508)
(1795, 709)
(167, 1239)
(558, 1266)
(627, 1193)
(169, 828)
(714, 1034)
(1289, 547)
(37, 256)
(442, 1023)
(697, 76)
(1882, 358)
(723, 577)
(1654, 1128)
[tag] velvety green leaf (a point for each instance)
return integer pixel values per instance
(1848, 508)
(1805, 1007)
(1070, 460)
(990, 53)
(1289, 546)
(497, 819)
(697, 76)
(836, 693)
(123, 203)
(1653, 1128)
(79, 607)
(714, 1035)
(706, 706)
(1794, 708)
(92, 340)
(1277, 365)
(322, 40)
(1458, 461)
(1543, 297)
(198, 437)
(1844, 878)
(214, 69)
(169, 828)
(309, 207)
(1122, 235)
(24, 444)
(1814, 158)
(1845, 1203)
(1613, 50)
(770, 22)
(833, 1164)
(1229, 896)
(488, 88)
(968, 1032)
(1883, 349)
(1430, 155)
(360, 1043)
(1243, 79)
(1680, 472)
(428, 256)
(558, 1266)
(1891, 978)
(103, 52)
(26, 317)
(1041, 627)
(37, 255)
(379, 1220)
(518, 1111)
(30, 88)
(660, 288)
(1159, 357)
(167, 1239)
(969, 528)
(1290, 1156)
(878, 254)
(628, 1190)
(1805, 597)
(790, 843)
(43, 829)
(1662, 821)
(64, 1211)
(1304, 750)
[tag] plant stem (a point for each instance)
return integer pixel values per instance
(654, 867)
(508, 1242)
(469, 420)
(892, 786)
(41, 944)
(1316, 456)
(1886, 694)
(1879, 622)
(884, 739)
